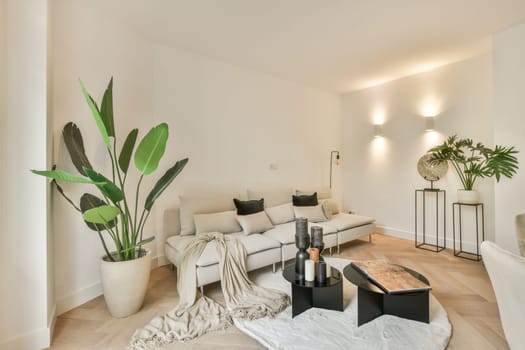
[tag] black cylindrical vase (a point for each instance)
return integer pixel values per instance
(302, 242)
(317, 239)
(301, 256)
(321, 272)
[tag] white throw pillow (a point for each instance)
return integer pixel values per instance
(313, 214)
(281, 214)
(255, 223)
(330, 205)
(202, 204)
(326, 210)
(225, 222)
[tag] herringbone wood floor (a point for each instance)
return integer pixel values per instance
(462, 287)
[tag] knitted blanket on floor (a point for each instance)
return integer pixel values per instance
(196, 314)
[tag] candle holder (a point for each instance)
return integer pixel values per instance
(302, 242)
(317, 239)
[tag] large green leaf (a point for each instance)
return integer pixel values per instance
(75, 147)
(151, 149)
(96, 114)
(103, 214)
(127, 150)
(65, 176)
(108, 188)
(145, 241)
(164, 182)
(106, 109)
(89, 201)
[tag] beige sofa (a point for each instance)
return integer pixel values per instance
(275, 245)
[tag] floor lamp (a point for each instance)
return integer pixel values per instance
(337, 161)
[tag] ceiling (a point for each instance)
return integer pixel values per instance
(335, 45)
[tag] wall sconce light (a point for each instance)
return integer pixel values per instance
(429, 123)
(337, 162)
(378, 130)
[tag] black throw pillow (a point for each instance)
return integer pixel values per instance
(305, 200)
(249, 207)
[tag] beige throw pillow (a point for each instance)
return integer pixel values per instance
(330, 205)
(281, 214)
(254, 223)
(225, 222)
(313, 213)
(202, 204)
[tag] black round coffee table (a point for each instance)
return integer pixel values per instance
(373, 302)
(307, 294)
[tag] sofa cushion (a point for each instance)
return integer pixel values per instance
(285, 233)
(305, 200)
(249, 207)
(272, 196)
(254, 223)
(225, 222)
(281, 214)
(202, 204)
(253, 243)
(313, 214)
(330, 205)
(343, 221)
(327, 211)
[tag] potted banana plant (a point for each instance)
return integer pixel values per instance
(473, 161)
(117, 216)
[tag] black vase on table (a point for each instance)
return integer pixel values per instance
(302, 242)
(317, 240)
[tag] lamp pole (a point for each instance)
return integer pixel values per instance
(331, 163)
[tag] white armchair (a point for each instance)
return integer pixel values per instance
(507, 274)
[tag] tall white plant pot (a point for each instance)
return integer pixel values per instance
(125, 284)
(468, 197)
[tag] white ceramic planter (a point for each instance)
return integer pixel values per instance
(125, 283)
(468, 197)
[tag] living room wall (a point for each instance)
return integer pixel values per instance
(380, 174)
(92, 47)
(509, 128)
(241, 129)
(232, 122)
(26, 290)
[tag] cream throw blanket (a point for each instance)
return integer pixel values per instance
(193, 317)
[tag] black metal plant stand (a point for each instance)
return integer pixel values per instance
(460, 253)
(424, 244)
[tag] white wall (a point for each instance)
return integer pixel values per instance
(230, 121)
(233, 123)
(90, 46)
(380, 174)
(509, 127)
(24, 288)
(4, 317)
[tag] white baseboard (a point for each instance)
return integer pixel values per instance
(78, 297)
(162, 260)
(36, 339)
(468, 246)
(52, 318)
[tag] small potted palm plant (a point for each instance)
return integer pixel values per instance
(125, 271)
(473, 161)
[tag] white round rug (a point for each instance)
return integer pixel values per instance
(326, 329)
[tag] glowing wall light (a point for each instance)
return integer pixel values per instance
(429, 123)
(378, 130)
